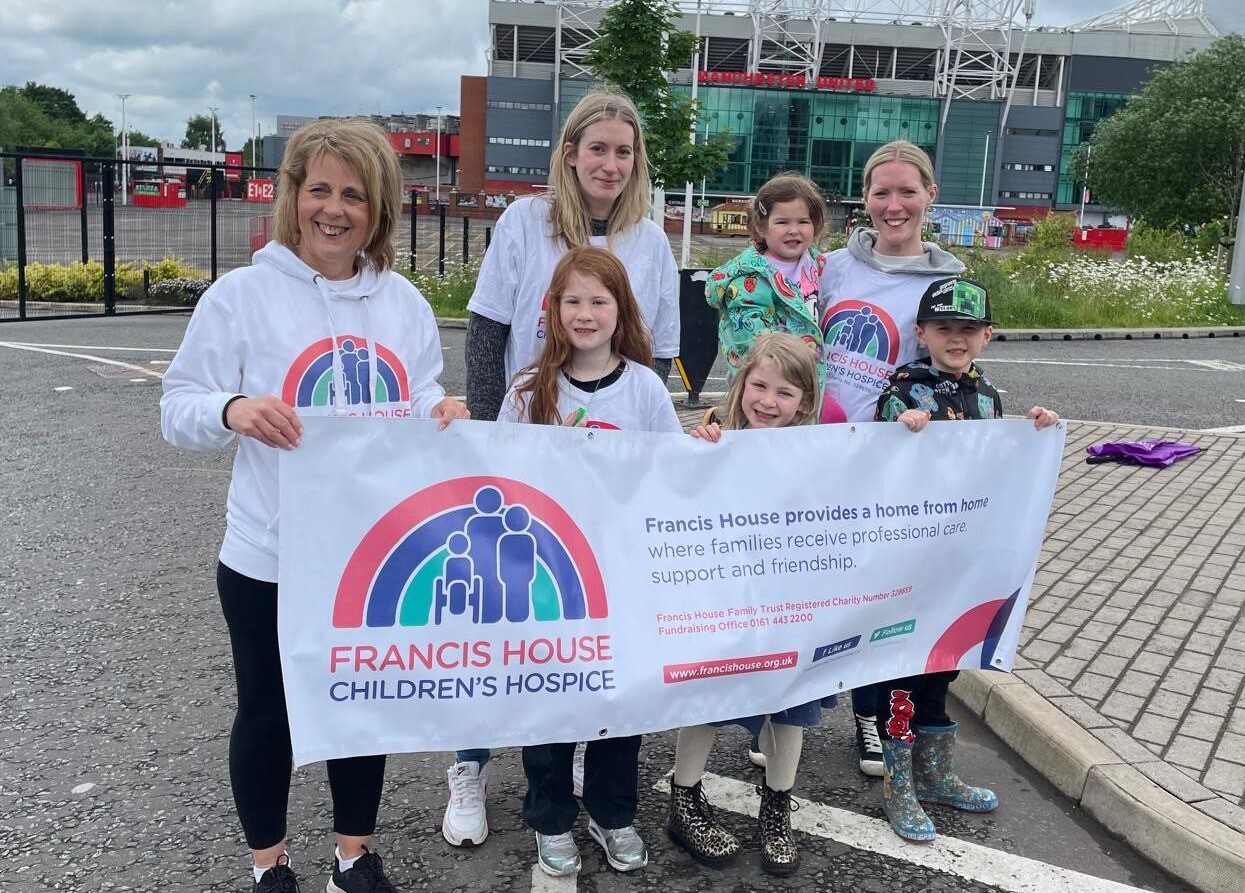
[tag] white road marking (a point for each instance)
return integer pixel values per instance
(543, 883)
(82, 356)
(140, 380)
(97, 347)
(971, 861)
(62, 388)
(1218, 365)
(1199, 365)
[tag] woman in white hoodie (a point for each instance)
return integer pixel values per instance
(866, 306)
(318, 325)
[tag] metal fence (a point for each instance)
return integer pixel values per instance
(75, 241)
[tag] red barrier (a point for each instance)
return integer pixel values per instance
(1109, 239)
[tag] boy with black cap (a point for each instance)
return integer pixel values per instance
(918, 738)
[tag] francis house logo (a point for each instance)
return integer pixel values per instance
(483, 548)
(310, 381)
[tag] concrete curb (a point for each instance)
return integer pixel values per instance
(1155, 820)
(1143, 334)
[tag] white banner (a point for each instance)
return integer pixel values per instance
(494, 585)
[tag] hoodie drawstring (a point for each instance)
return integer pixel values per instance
(339, 375)
(341, 404)
(373, 364)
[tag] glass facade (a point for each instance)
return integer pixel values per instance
(1083, 111)
(826, 136)
(968, 150)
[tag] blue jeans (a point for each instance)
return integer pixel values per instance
(479, 755)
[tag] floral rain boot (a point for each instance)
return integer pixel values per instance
(933, 770)
(899, 800)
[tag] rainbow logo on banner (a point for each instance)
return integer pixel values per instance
(310, 379)
(861, 328)
(487, 548)
(981, 625)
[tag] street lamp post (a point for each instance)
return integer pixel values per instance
(254, 139)
(1080, 220)
(687, 187)
(438, 155)
(213, 110)
(125, 150)
(981, 196)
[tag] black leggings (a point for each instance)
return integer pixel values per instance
(914, 701)
(260, 756)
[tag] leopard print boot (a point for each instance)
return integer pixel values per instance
(778, 851)
(693, 826)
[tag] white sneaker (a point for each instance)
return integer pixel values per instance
(756, 756)
(465, 820)
(577, 770)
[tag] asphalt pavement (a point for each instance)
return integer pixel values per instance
(1126, 711)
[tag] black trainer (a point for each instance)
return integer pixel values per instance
(278, 879)
(868, 746)
(366, 876)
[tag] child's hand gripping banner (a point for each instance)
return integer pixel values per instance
(493, 585)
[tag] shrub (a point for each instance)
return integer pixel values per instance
(1164, 245)
(84, 283)
(178, 291)
(450, 293)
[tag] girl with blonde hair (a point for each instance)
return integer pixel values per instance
(776, 386)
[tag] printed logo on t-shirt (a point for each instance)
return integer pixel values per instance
(310, 382)
(862, 342)
(540, 322)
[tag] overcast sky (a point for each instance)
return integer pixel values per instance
(177, 58)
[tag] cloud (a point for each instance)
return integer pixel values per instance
(176, 58)
(300, 57)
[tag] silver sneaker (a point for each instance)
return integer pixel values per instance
(556, 854)
(624, 849)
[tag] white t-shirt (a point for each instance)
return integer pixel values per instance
(515, 274)
(868, 320)
(637, 401)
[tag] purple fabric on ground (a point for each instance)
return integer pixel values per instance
(1157, 453)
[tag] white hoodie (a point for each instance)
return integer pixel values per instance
(267, 329)
(867, 312)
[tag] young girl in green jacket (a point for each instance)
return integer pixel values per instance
(771, 286)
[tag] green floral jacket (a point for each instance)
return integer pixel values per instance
(753, 298)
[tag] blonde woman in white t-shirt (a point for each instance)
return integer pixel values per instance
(598, 196)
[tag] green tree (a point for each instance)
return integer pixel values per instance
(638, 45)
(252, 156)
(39, 116)
(199, 134)
(138, 138)
(1173, 155)
(57, 104)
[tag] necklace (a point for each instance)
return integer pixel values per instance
(611, 361)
